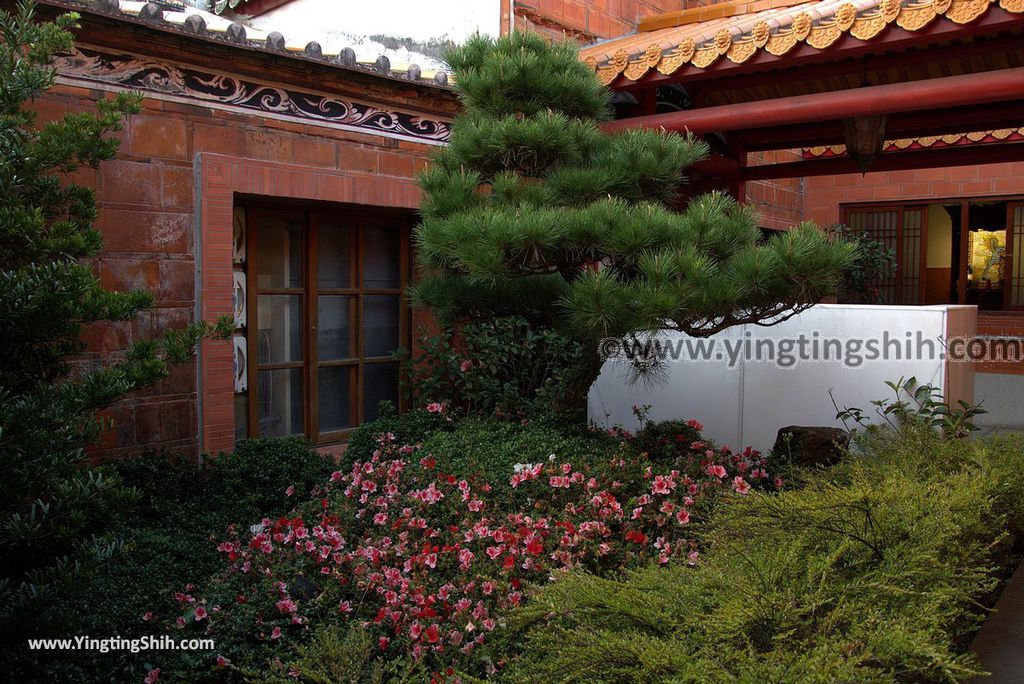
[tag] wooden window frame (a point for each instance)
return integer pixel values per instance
(309, 293)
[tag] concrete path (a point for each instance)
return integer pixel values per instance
(1000, 641)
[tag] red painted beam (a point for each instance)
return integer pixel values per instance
(960, 155)
(717, 166)
(970, 89)
(900, 125)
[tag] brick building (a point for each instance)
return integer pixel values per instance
(272, 178)
(929, 95)
(263, 180)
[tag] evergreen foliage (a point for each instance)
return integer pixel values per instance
(877, 570)
(52, 506)
(533, 210)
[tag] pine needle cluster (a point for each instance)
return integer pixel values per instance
(532, 209)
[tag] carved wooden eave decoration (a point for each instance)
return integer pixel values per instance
(741, 36)
(974, 137)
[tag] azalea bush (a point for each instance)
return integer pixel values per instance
(878, 570)
(427, 564)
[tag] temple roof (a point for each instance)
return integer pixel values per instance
(979, 137)
(176, 17)
(737, 31)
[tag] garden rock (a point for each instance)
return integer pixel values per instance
(811, 446)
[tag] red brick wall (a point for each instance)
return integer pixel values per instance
(147, 213)
(779, 202)
(587, 20)
(824, 194)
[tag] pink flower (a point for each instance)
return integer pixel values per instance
(662, 485)
(290, 490)
(465, 365)
(152, 676)
(695, 425)
(740, 485)
(434, 407)
(716, 471)
(345, 607)
(432, 634)
(383, 643)
(148, 616)
(683, 516)
(275, 633)
(200, 613)
(222, 661)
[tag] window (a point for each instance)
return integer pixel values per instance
(326, 311)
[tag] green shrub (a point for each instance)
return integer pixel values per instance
(664, 440)
(501, 366)
(169, 540)
(251, 481)
(411, 427)
(875, 571)
(491, 448)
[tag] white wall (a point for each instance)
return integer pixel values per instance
(747, 404)
(346, 23)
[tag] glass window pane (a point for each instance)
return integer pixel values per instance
(334, 328)
(279, 253)
(334, 255)
(382, 258)
(280, 328)
(241, 416)
(280, 397)
(380, 324)
(380, 384)
(335, 398)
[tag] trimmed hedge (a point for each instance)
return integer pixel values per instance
(876, 570)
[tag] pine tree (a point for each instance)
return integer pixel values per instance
(53, 505)
(533, 210)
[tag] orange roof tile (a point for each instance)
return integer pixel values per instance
(738, 30)
(999, 135)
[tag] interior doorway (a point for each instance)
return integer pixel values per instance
(967, 245)
(965, 251)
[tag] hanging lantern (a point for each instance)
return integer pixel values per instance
(865, 137)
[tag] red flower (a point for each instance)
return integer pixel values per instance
(636, 536)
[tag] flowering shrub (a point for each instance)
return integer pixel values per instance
(427, 562)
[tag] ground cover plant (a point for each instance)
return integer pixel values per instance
(876, 570)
